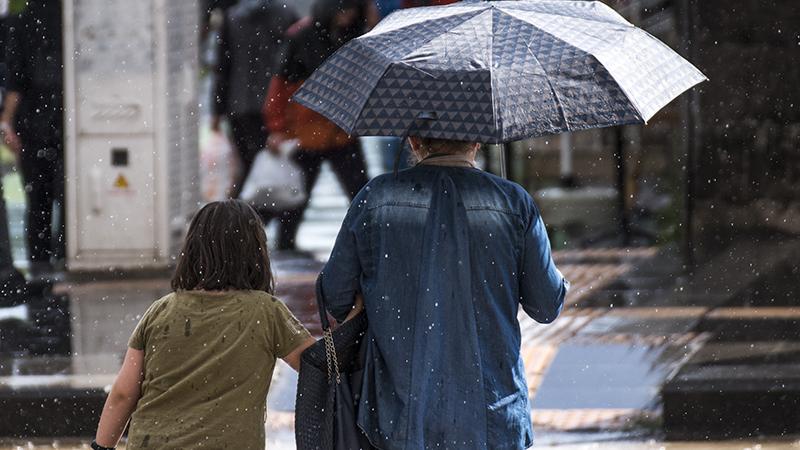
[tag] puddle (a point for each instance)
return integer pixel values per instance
(606, 376)
(627, 323)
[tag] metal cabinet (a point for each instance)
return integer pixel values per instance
(131, 130)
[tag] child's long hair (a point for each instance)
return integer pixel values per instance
(225, 249)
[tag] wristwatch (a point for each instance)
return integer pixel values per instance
(97, 446)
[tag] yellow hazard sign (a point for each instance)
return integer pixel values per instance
(121, 182)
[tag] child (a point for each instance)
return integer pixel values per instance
(199, 363)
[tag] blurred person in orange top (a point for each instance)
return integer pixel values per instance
(308, 43)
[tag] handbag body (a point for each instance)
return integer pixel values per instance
(329, 382)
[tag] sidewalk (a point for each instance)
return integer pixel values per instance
(595, 374)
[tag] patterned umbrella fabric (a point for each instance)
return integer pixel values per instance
(497, 72)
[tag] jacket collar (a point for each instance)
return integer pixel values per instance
(447, 160)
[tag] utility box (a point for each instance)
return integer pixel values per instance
(131, 133)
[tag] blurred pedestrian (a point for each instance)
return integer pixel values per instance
(386, 7)
(199, 364)
(444, 255)
(249, 55)
(11, 281)
(309, 42)
(32, 124)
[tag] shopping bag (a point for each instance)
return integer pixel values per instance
(219, 166)
(274, 183)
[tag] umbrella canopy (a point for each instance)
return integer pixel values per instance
(497, 72)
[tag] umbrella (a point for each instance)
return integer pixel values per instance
(496, 72)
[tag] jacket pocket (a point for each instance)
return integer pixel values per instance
(509, 422)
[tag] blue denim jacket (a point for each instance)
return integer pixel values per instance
(444, 257)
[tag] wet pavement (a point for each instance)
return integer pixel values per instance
(564, 391)
(595, 375)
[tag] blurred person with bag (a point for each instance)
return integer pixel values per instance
(309, 42)
(11, 280)
(219, 166)
(249, 55)
(32, 125)
(275, 183)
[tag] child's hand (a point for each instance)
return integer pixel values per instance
(358, 306)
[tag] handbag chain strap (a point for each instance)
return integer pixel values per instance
(330, 355)
(327, 334)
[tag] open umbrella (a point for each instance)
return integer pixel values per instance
(496, 72)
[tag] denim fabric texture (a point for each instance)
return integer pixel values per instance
(444, 257)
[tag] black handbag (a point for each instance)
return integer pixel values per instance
(328, 386)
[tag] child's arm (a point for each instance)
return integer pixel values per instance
(121, 400)
(293, 358)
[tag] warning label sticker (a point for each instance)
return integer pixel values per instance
(121, 182)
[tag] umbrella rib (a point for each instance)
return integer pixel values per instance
(550, 84)
(377, 32)
(417, 69)
(589, 53)
(495, 114)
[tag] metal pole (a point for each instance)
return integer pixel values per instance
(565, 150)
(688, 13)
(619, 158)
(504, 154)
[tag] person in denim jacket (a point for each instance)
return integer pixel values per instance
(444, 255)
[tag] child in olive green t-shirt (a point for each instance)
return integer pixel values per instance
(199, 363)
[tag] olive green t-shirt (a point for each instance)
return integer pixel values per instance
(208, 362)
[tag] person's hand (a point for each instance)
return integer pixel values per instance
(274, 142)
(215, 123)
(358, 306)
(10, 138)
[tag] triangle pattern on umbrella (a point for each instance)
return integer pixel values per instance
(467, 46)
(497, 71)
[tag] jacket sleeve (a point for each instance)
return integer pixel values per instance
(222, 80)
(542, 287)
(15, 56)
(340, 279)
